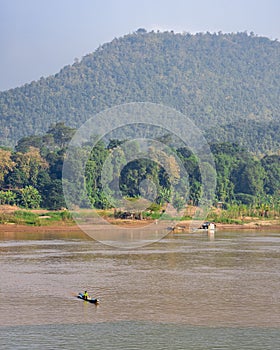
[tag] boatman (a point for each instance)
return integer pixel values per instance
(85, 296)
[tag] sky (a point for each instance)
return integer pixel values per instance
(39, 37)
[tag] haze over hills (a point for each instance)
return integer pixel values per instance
(228, 84)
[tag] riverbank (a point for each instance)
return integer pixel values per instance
(189, 226)
(182, 227)
(13, 219)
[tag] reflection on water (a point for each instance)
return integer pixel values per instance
(231, 281)
(127, 237)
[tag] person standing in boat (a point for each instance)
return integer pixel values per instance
(85, 295)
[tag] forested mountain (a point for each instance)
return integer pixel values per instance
(228, 84)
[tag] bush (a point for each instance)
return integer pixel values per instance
(154, 207)
(30, 197)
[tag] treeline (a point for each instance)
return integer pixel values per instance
(31, 175)
(228, 84)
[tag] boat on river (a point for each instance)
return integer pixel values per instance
(209, 226)
(90, 300)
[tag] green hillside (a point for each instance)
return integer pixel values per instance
(228, 84)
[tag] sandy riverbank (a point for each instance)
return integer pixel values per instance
(70, 226)
(183, 226)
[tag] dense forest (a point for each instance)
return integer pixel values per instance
(31, 174)
(228, 84)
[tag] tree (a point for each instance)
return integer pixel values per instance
(93, 173)
(250, 178)
(6, 164)
(25, 143)
(164, 196)
(29, 197)
(53, 197)
(178, 202)
(26, 169)
(61, 133)
(271, 165)
(55, 160)
(7, 197)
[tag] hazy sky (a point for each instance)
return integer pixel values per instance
(39, 37)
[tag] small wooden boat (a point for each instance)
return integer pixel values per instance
(90, 300)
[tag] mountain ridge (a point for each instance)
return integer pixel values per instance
(228, 84)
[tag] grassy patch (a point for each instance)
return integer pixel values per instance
(151, 215)
(26, 217)
(186, 218)
(54, 217)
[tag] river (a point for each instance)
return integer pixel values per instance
(183, 292)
